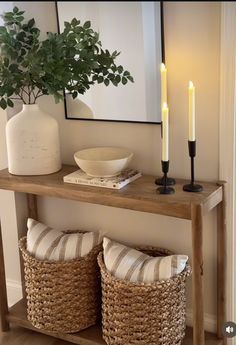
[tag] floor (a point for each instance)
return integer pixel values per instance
(21, 336)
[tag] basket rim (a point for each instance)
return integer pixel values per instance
(22, 247)
(185, 273)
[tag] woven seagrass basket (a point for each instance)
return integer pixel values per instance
(143, 313)
(62, 296)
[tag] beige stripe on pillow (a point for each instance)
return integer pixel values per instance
(156, 270)
(87, 243)
(118, 259)
(62, 248)
(132, 265)
(142, 270)
(78, 246)
(174, 265)
(52, 247)
(40, 238)
(46, 243)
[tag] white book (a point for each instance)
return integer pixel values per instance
(115, 182)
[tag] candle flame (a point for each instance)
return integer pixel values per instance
(165, 106)
(163, 67)
(190, 84)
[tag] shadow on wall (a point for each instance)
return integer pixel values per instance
(77, 108)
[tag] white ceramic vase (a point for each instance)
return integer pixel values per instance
(33, 146)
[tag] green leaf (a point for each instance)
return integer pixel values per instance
(10, 103)
(10, 90)
(124, 80)
(19, 59)
(3, 30)
(25, 27)
(3, 103)
(15, 9)
(35, 31)
(111, 76)
(23, 52)
(13, 68)
(120, 69)
(114, 82)
(6, 62)
(74, 22)
(100, 79)
(20, 19)
(117, 78)
(21, 36)
(78, 30)
(2, 90)
(74, 94)
(126, 73)
(87, 25)
(113, 68)
(106, 82)
(31, 22)
(8, 15)
(130, 78)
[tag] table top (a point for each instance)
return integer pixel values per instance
(139, 195)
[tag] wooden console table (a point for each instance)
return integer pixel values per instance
(140, 195)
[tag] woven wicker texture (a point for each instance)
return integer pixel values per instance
(62, 296)
(141, 313)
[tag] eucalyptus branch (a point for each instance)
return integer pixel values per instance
(21, 96)
(40, 95)
(18, 98)
(33, 94)
(37, 96)
(52, 64)
(29, 94)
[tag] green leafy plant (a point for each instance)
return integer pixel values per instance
(72, 60)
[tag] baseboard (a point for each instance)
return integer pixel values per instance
(14, 291)
(210, 323)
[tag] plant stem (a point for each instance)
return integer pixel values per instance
(21, 95)
(29, 94)
(33, 95)
(19, 98)
(40, 95)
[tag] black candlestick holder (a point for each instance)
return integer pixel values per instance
(192, 186)
(165, 189)
(161, 181)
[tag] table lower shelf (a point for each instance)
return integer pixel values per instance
(90, 336)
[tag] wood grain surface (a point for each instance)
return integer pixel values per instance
(139, 195)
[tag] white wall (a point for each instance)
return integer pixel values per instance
(192, 50)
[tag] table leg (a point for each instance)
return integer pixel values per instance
(3, 290)
(32, 213)
(32, 206)
(221, 269)
(197, 263)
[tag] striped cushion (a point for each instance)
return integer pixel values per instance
(132, 265)
(45, 243)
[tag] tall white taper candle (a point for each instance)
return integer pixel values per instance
(163, 84)
(191, 92)
(165, 133)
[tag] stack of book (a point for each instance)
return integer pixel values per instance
(115, 182)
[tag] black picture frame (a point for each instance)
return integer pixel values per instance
(163, 60)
